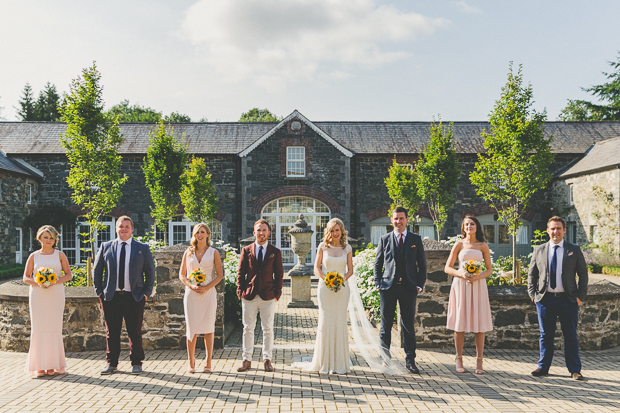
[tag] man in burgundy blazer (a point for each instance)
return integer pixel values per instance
(259, 286)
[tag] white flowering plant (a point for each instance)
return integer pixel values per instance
(232, 304)
(364, 268)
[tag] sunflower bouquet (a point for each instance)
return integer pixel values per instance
(197, 277)
(45, 276)
(334, 281)
(472, 268)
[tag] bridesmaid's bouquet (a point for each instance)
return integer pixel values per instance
(334, 281)
(197, 277)
(472, 268)
(45, 277)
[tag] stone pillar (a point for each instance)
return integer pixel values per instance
(301, 242)
(169, 293)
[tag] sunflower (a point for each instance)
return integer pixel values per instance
(331, 276)
(40, 278)
(471, 268)
(199, 277)
(52, 278)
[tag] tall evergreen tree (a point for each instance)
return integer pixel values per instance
(46, 106)
(26, 109)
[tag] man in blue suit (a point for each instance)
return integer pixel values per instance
(123, 275)
(552, 285)
(400, 274)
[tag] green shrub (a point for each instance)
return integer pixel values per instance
(595, 268)
(232, 304)
(364, 267)
(79, 276)
(611, 270)
(11, 271)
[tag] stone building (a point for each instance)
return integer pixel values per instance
(280, 169)
(18, 198)
(587, 193)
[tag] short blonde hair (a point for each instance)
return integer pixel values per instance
(194, 242)
(124, 218)
(327, 234)
(49, 229)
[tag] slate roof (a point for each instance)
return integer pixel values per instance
(358, 137)
(12, 165)
(602, 155)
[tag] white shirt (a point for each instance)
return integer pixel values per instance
(559, 287)
(257, 245)
(118, 261)
(397, 236)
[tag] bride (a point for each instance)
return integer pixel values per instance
(331, 349)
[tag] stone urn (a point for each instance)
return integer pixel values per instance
(301, 243)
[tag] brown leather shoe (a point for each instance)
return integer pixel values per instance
(268, 366)
(245, 366)
(576, 375)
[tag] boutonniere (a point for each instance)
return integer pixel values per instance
(413, 246)
(569, 254)
(271, 256)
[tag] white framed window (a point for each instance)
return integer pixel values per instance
(180, 230)
(18, 245)
(73, 240)
(407, 166)
(30, 194)
(571, 200)
(295, 161)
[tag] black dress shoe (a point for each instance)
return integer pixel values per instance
(108, 370)
(412, 368)
(540, 372)
(576, 375)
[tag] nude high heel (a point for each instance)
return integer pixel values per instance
(459, 369)
(479, 370)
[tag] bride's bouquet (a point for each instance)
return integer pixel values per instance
(472, 268)
(334, 281)
(45, 277)
(197, 277)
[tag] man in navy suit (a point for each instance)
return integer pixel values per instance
(123, 291)
(400, 274)
(552, 285)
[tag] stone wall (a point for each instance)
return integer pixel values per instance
(582, 213)
(515, 320)
(15, 208)
(83, 326)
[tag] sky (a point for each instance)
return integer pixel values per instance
(333, 60)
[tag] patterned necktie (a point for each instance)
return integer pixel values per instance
(121, 268)
(260, 254)
(554, 268)
(400, 241)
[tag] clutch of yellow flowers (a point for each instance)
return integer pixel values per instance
(45, 276)
(197, 277)
(334, 281)
(472, 267)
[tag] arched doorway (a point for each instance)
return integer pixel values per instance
(283, 212)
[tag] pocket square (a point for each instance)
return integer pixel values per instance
(139, 252)
(271, 256)
(413, 246)
(569, 254)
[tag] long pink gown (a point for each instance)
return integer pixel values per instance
(200, 309)
(469, 309)
(47, 305)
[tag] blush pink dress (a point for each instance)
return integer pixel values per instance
(469, 309)
(47, 305)
(200, 309)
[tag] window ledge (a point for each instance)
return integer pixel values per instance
(296, 178)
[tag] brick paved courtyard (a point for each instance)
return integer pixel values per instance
(165, 386)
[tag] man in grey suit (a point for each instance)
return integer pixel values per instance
(123, 291)
(400, 274)
(552, 285)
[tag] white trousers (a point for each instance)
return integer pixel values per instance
(267, 310)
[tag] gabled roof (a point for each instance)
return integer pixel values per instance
(18, 166)
(302, 118)
(238, 138)
(602, 155)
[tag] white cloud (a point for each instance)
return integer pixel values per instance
(466, 8)
(278, 41)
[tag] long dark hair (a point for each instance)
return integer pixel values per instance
(479, 231)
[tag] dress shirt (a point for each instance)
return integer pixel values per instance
(119, 246)
(397, 235)
(559, 287)
(257, 245)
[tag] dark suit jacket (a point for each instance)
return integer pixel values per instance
(264, 280)
(141, 270)
(415, 262)
(573, 266)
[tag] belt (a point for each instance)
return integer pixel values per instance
(556, 294)
(122, 292)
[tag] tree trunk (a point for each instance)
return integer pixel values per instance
(515, 275)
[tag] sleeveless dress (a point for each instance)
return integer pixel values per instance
(200, 309)
(331, 349)
(47, 306)
(469, 309)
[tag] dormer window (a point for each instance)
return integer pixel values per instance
(296, 161)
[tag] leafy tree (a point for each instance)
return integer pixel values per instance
(26, 105)
(517, 155)
(401, 186)
(91, 142)
(198, 194)
(124, 112)
(176, 117)
(437, 173)
(46, 106)
(608, 95)
(259, 115)
(163, 167)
